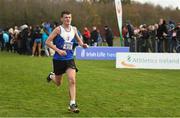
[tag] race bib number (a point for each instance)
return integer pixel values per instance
(68, 46)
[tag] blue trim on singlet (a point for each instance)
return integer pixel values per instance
(59, 42)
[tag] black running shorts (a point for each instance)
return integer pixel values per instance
(60, 66)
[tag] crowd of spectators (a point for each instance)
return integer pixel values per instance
(30, 40)
(161, 37)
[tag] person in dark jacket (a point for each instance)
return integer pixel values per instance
(161, 34)
(23, 39)
(37, 41)
(130, 35)
(94, 37)
(108, 36)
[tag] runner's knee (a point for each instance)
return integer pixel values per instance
(72, 81)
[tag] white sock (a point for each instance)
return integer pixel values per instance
(72, 102)
(52, 76)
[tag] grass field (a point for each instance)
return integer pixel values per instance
(102, 90)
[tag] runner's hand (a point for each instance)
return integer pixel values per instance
(62, 52)
(85, 46)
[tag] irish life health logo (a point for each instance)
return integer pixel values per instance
(127, 63)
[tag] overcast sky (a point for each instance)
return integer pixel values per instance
(164, 3)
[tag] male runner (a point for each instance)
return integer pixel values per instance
(63, 37)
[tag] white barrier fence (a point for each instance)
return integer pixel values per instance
(148, 60)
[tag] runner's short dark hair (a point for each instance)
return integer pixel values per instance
(65, 12)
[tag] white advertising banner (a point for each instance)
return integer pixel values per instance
(148, 60)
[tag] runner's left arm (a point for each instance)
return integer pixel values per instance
(79, 40)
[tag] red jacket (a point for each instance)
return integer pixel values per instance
(87, 34)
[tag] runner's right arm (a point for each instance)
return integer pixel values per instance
(50, 39)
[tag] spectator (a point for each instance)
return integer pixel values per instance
(161, 34)
(125, 36)
(144, 36)
(130, 36)
(94, 37)
(37, 41)
(100, 39)
(152, 37)
(44, 38)
(86, 36)
(6, 39)
(171, 37)
(108, 36)
(29, 41)
(48, 27)
(23, 39)
(16, 39)
(11, 39)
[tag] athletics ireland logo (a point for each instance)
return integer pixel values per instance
(128, 62)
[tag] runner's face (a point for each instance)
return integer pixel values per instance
(66, 19)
